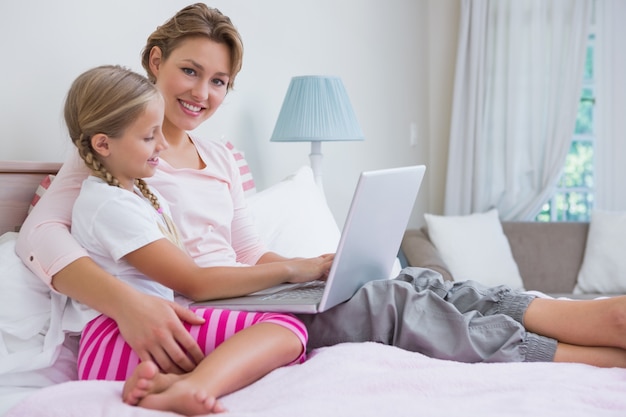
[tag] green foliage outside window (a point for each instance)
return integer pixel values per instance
(573, 199)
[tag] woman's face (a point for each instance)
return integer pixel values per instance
(193, 81)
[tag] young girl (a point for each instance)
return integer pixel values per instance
(193, 59)
(114, 117)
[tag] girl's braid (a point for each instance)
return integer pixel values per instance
(145, 190)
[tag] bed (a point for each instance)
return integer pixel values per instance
(363, 379)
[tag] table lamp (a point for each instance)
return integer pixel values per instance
(316, 109)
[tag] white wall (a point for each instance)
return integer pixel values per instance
(395, 58)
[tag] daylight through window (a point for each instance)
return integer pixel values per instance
(573, 196)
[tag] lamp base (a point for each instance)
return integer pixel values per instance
(316, 158)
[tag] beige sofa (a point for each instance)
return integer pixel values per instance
(548, 255)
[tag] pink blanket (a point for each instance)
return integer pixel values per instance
(368, 379)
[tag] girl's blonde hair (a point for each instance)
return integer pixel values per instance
(106, 100)
(196, 20)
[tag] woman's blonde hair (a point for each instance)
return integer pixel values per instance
(196, 20)
(106, 100)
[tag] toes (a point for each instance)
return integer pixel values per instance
(219, 407)
(140, 382)
(210, 404)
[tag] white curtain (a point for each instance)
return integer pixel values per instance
(517, 86)
(610, 75)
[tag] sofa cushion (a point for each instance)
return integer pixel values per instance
(419, 251)
(604, 265)
(548, 254)
(474, 247)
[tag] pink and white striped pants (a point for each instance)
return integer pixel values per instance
(104, 354)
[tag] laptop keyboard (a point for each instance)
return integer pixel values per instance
(311, 290)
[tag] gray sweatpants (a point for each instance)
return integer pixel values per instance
(419, 312)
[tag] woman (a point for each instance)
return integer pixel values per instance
(193, 59)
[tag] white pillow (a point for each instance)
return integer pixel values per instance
(30, 356)
(474, 247)
(603, 270)
(293, 218)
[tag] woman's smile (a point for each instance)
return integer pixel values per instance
(191, 108)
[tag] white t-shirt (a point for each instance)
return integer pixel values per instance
(110, 222)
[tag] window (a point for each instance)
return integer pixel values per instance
(573, 197)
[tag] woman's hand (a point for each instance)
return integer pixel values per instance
(310, 269)
(153, 327)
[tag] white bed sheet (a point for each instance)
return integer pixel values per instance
(368, 379)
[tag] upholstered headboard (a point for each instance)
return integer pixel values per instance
(18, 183)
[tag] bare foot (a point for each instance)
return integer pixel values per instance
(146, 379)
(183, 397)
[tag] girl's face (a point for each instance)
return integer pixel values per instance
(136, 153)
(193, 81)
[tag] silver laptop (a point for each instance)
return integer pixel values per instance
(368, 247)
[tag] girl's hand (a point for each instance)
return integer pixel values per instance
(310, 269)
(153, 327)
